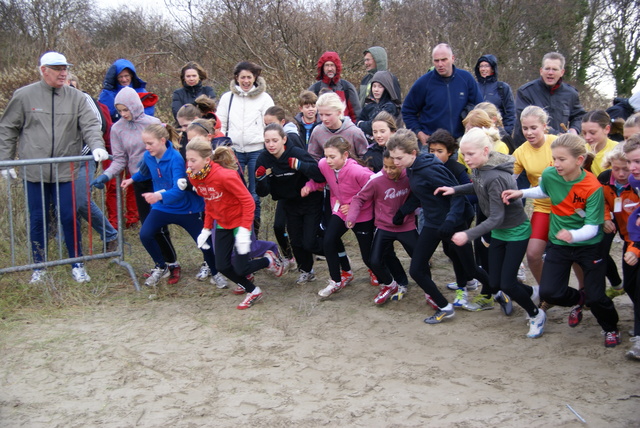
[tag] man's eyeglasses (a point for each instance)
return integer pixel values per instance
(57, 67)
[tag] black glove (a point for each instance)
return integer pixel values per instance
(446, 230)
(398, 219)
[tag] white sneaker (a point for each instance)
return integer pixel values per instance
(293, 265)
(461, 297)
(472, 285)
(80, 274)
(634, 352)
(306, 277)
(535, 297)
(333, 287)
(522, 273)
(402, 290)
(219, 280)
(204, 273)
(452, 286)
(155, 275)
(536, 324)
(37, 276)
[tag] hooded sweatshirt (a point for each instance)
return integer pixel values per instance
(345, 90)
(344, 185)
(496, 92)
(389, 102)
(388, 196)
(379, 55)
(348, 131)
(111, 87)
(489, 181)
(126, 135)
(242, 117)
(427, 174)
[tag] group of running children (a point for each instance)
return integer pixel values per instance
(324, 187)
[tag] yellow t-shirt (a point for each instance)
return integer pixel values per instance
(596, 166)
(500, 146)
(534, 161)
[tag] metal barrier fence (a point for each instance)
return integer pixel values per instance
(16, 203)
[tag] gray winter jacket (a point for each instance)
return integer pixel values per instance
(489, 181)
(45, 122)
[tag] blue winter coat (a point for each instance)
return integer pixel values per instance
(503, 99)
(435, 102)
(165, 174)
(111, 86)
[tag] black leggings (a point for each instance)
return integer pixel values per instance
(504, 260)
(162, 237)
(242, 265)
(333, 243)
(612, 269)
(280, 230)
(383, 264)
(303, 224)
(554, 284)
(632, 287)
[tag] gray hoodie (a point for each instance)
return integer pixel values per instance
(126, 135)
(489, 181)
(379, 54)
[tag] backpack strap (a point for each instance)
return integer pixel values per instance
(228, 115)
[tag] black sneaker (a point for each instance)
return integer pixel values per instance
(505, 302)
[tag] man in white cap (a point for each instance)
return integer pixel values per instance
(48, 119)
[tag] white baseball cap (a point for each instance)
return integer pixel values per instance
(53, 58)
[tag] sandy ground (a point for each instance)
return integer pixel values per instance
(190, 359)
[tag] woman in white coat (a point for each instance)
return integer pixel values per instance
(241, 113)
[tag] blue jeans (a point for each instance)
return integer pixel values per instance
(98, 221)
(39, 219)
(248, 160)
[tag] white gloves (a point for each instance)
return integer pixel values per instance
(100, 155)
(202, 239)
(9, 174)
(182, 183)
(243, 240)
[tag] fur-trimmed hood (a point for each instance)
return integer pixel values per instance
(258, 88)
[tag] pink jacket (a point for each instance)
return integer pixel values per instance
(388, 196)
(344, 186)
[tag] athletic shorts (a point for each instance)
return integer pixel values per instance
(540, 226)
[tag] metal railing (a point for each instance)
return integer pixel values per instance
(21, 256)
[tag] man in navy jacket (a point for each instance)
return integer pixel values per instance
(441, 98)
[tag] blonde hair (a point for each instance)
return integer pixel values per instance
(632, 121)
(616, 154)
(333, 101)
(537, 112)
(166, 131)
(202, 127)
(478, 118)
(200, 145)
(575, 145)
(632, 143)
(492, 111)
(479, 137)
(225, 157)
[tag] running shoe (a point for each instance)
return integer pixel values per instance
(333, 287)
(385, 293)
(505, 302)
(174, 274)
(612, 339)
(79, 274)
(431, 302)
(306, 277)
(614, 292)
(575, 316)
(471, 285)
(634, 352)
(275, 264)
(251, 299)
(522, 273)
(155, 275)
(402, 290)
(536, 324)
(219, 281)
(373, 279)
(452, 286)
(239, 290)
(479, 303)
(346, 278)
(37, 276)
(204, 272)
(461, 297)
(292, 264)
(440, 315)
